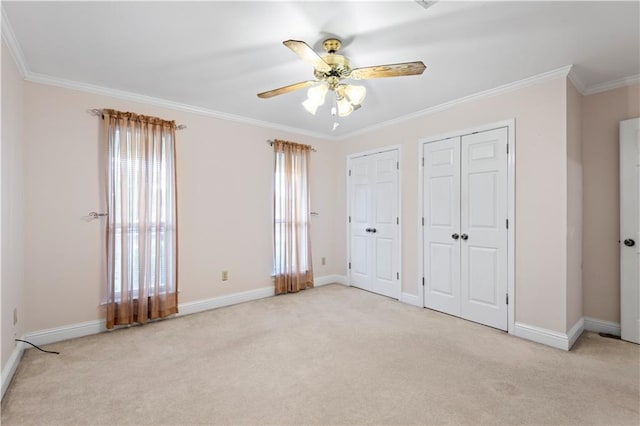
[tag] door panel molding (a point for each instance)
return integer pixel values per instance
(482, 153)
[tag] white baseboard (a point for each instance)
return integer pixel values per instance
(566, 341)
(10, 367)
(72, 331)
(410, 299)
(542, 335)
(575, 332)
(226, 300)
(601, 326)
(66, 332)
(329, 279)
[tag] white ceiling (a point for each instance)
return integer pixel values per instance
(218, 55)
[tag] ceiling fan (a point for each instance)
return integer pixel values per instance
(330, 69)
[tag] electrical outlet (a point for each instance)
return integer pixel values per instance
(15, 316)
(225, 275)
(324, 260)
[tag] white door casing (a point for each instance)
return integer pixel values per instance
(374, 243)
(466, 182)
(630, 230)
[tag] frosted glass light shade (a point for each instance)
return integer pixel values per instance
(318, 93)
(344, 107)
(311, 105)
(355, 94)
(315, 98)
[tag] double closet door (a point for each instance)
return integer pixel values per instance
(465, 236)
(374, 258)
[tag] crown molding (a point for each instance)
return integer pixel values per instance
(613, 84)
(10, 39)
(577, 81)
(529, 81)
(150, 100)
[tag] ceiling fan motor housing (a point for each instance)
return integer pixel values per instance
(340, 68)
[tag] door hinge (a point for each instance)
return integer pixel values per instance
(507, 298)
(397, 221)
(422, 281)
(349, 219)
(422, 161)
(423, 221)
(397, 165)
(349, 172)
(349, 265)
(397, 275)
(507, 148)
(507, 220)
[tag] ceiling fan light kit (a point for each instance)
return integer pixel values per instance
(330, 70)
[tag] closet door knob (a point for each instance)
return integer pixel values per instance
(455, 236)
(629, 242)
(464, 237)
(368, 230)
(374, 230)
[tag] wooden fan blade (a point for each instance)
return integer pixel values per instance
(303, 50)
(393, 70)
(286, 89)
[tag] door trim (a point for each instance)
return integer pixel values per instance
(348, 207)
(511, 207)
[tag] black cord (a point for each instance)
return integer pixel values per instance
(40, 349)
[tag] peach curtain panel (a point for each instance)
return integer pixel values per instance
(292, 234)
(142, 267)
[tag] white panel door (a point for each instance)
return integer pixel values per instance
(483, 239)
(441, 207)
(384, 230)
(630, 230)
(361, 259)
(373, 210)
(465, 239)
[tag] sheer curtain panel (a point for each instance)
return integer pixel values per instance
(292, 240)
(142, 265)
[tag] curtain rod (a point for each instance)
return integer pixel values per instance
(270, 142)
(98, 113)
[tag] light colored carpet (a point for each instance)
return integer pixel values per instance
(330, 355)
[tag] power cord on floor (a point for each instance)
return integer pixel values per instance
(38, 348)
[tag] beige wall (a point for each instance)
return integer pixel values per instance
(602, 113)
(224, 205)
(574, 205)
(221, 230)
(12, 267)
(541, 206)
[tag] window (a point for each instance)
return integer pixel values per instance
(127, 225)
